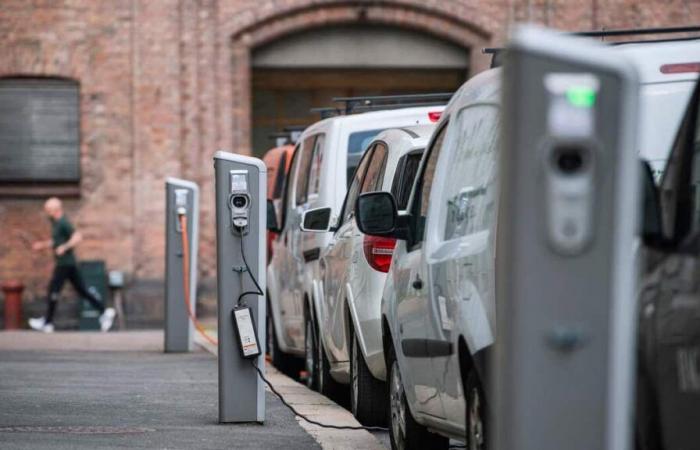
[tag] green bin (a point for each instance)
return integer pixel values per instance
(95, 277)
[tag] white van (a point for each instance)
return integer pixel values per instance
(667, 73)
(325, 158)
(438, 304)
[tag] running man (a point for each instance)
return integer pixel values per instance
(63, 240)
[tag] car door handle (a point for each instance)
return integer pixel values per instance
(417, 283)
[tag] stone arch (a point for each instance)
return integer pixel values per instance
(250, 29)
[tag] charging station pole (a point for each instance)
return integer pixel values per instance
(241, 208)
(566, 311)
(181, 197)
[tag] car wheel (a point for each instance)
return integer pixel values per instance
(476, 413)
(367, 394)
(405, 433)
(310, 354)
(285, 363)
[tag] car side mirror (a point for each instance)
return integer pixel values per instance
(272, 224)
(651, 223)
(376, 215)
(317, 220)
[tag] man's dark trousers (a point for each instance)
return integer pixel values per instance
(71, 273)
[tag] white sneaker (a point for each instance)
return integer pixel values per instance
(107, 319)
(37, 323)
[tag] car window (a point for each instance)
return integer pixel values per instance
(425, 183)
(405, 175)
(354, 190)
(375, 170)
(679, 183)
(288, 191)
(280, 175)
(357, 144)
(302, 179)
(695, 178)
(315, 170)
(469, 200)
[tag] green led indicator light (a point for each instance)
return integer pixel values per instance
(581, 97)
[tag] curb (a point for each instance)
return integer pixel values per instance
(317, 407)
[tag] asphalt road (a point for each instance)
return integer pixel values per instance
(88, 400)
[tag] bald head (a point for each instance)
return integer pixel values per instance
(53, 208)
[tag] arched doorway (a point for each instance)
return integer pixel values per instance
(292, 75)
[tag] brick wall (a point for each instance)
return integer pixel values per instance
(166, 83)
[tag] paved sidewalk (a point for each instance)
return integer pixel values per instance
(117, 390)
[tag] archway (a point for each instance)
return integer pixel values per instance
(250, 34)
(303, 71)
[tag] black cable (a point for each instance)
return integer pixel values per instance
(313, 422)
(252, 277)
(272, 388)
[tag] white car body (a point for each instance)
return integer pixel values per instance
(664, 96)
(351, 289)
(451, 319)
(293, 272)
(438, 302)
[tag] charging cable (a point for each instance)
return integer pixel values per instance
(267, 382)
(311, 421)
(186, 277)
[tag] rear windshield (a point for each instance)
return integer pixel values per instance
(357, 144)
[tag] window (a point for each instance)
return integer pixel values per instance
(405, 175)
(681, 180)
(316, 162)
(309, 153)
(420, 203)
(357, 144)
(375, 170)
(354, 190)
(470, 190)
(39, 130)
(280, 176)
(288, 191)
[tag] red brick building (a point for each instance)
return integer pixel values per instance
(158, 86)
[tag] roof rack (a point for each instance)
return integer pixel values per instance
(327, 112)
(497, 52)
(288, 136)
(638, 31)
(381, 102)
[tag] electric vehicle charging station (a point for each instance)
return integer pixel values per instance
(241, 211)
(182, 199)
(564, 362)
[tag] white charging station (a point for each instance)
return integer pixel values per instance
(181, 199)
(241, 213)
(566, 311)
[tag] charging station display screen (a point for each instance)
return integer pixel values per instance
(239, 182)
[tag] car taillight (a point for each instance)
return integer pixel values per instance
(434, 116)
(378, 252)
(689, 67)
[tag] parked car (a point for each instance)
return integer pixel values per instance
(438, 304)
(325, 159)
(278, 160)
(668, 359)
(344, 341)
